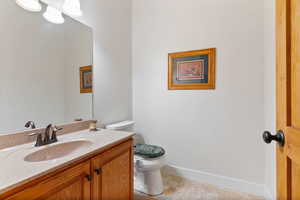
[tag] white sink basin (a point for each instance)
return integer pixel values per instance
(57, 151)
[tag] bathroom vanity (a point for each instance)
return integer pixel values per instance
(83, 165)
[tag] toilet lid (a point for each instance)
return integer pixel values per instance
(148, 151)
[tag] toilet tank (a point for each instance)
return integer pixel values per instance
(127, 126)
(122, 126)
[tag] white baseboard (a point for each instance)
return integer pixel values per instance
(234, 184)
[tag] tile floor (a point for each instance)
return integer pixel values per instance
(177, 188)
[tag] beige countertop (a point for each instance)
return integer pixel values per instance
(15, 171)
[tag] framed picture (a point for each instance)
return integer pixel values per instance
(86, 79)
(192, 70)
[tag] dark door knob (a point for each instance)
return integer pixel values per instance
(279, 137)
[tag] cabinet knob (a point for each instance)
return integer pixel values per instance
(88, 177)
(98, 171)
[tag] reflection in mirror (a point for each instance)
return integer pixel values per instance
(40, 70)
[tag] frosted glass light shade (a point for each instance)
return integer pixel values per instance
(72, 8)
(30, 5)
(53, 15)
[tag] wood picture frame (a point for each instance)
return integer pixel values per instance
(192, 70)
(86, 79)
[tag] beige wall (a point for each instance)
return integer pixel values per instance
(216, 131)
(269, 94)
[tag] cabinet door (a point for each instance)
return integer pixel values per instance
(113, 174)
(72, 184)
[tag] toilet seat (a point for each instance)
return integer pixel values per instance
(148, 151)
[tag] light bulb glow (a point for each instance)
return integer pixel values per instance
(72, 8)
(30, 5)
(53, 15)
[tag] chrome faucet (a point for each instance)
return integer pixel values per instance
(47, 140)
(47, 134)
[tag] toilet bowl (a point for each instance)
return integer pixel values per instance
(147, 174)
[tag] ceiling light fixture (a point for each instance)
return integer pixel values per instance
(54, 9)
(72, 8)
(30, 5)
(53, 15)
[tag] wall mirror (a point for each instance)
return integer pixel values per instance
(46, 70)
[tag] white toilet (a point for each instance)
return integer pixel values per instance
(147, 175)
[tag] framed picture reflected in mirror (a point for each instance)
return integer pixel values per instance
(86, 79)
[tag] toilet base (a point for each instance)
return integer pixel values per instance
(148, 182)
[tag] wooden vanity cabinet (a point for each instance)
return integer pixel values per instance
(104, 176)
(113, 174)
(69, 184)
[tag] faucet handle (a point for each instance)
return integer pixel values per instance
(54, 131)
(30, 124)
(33, 134)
